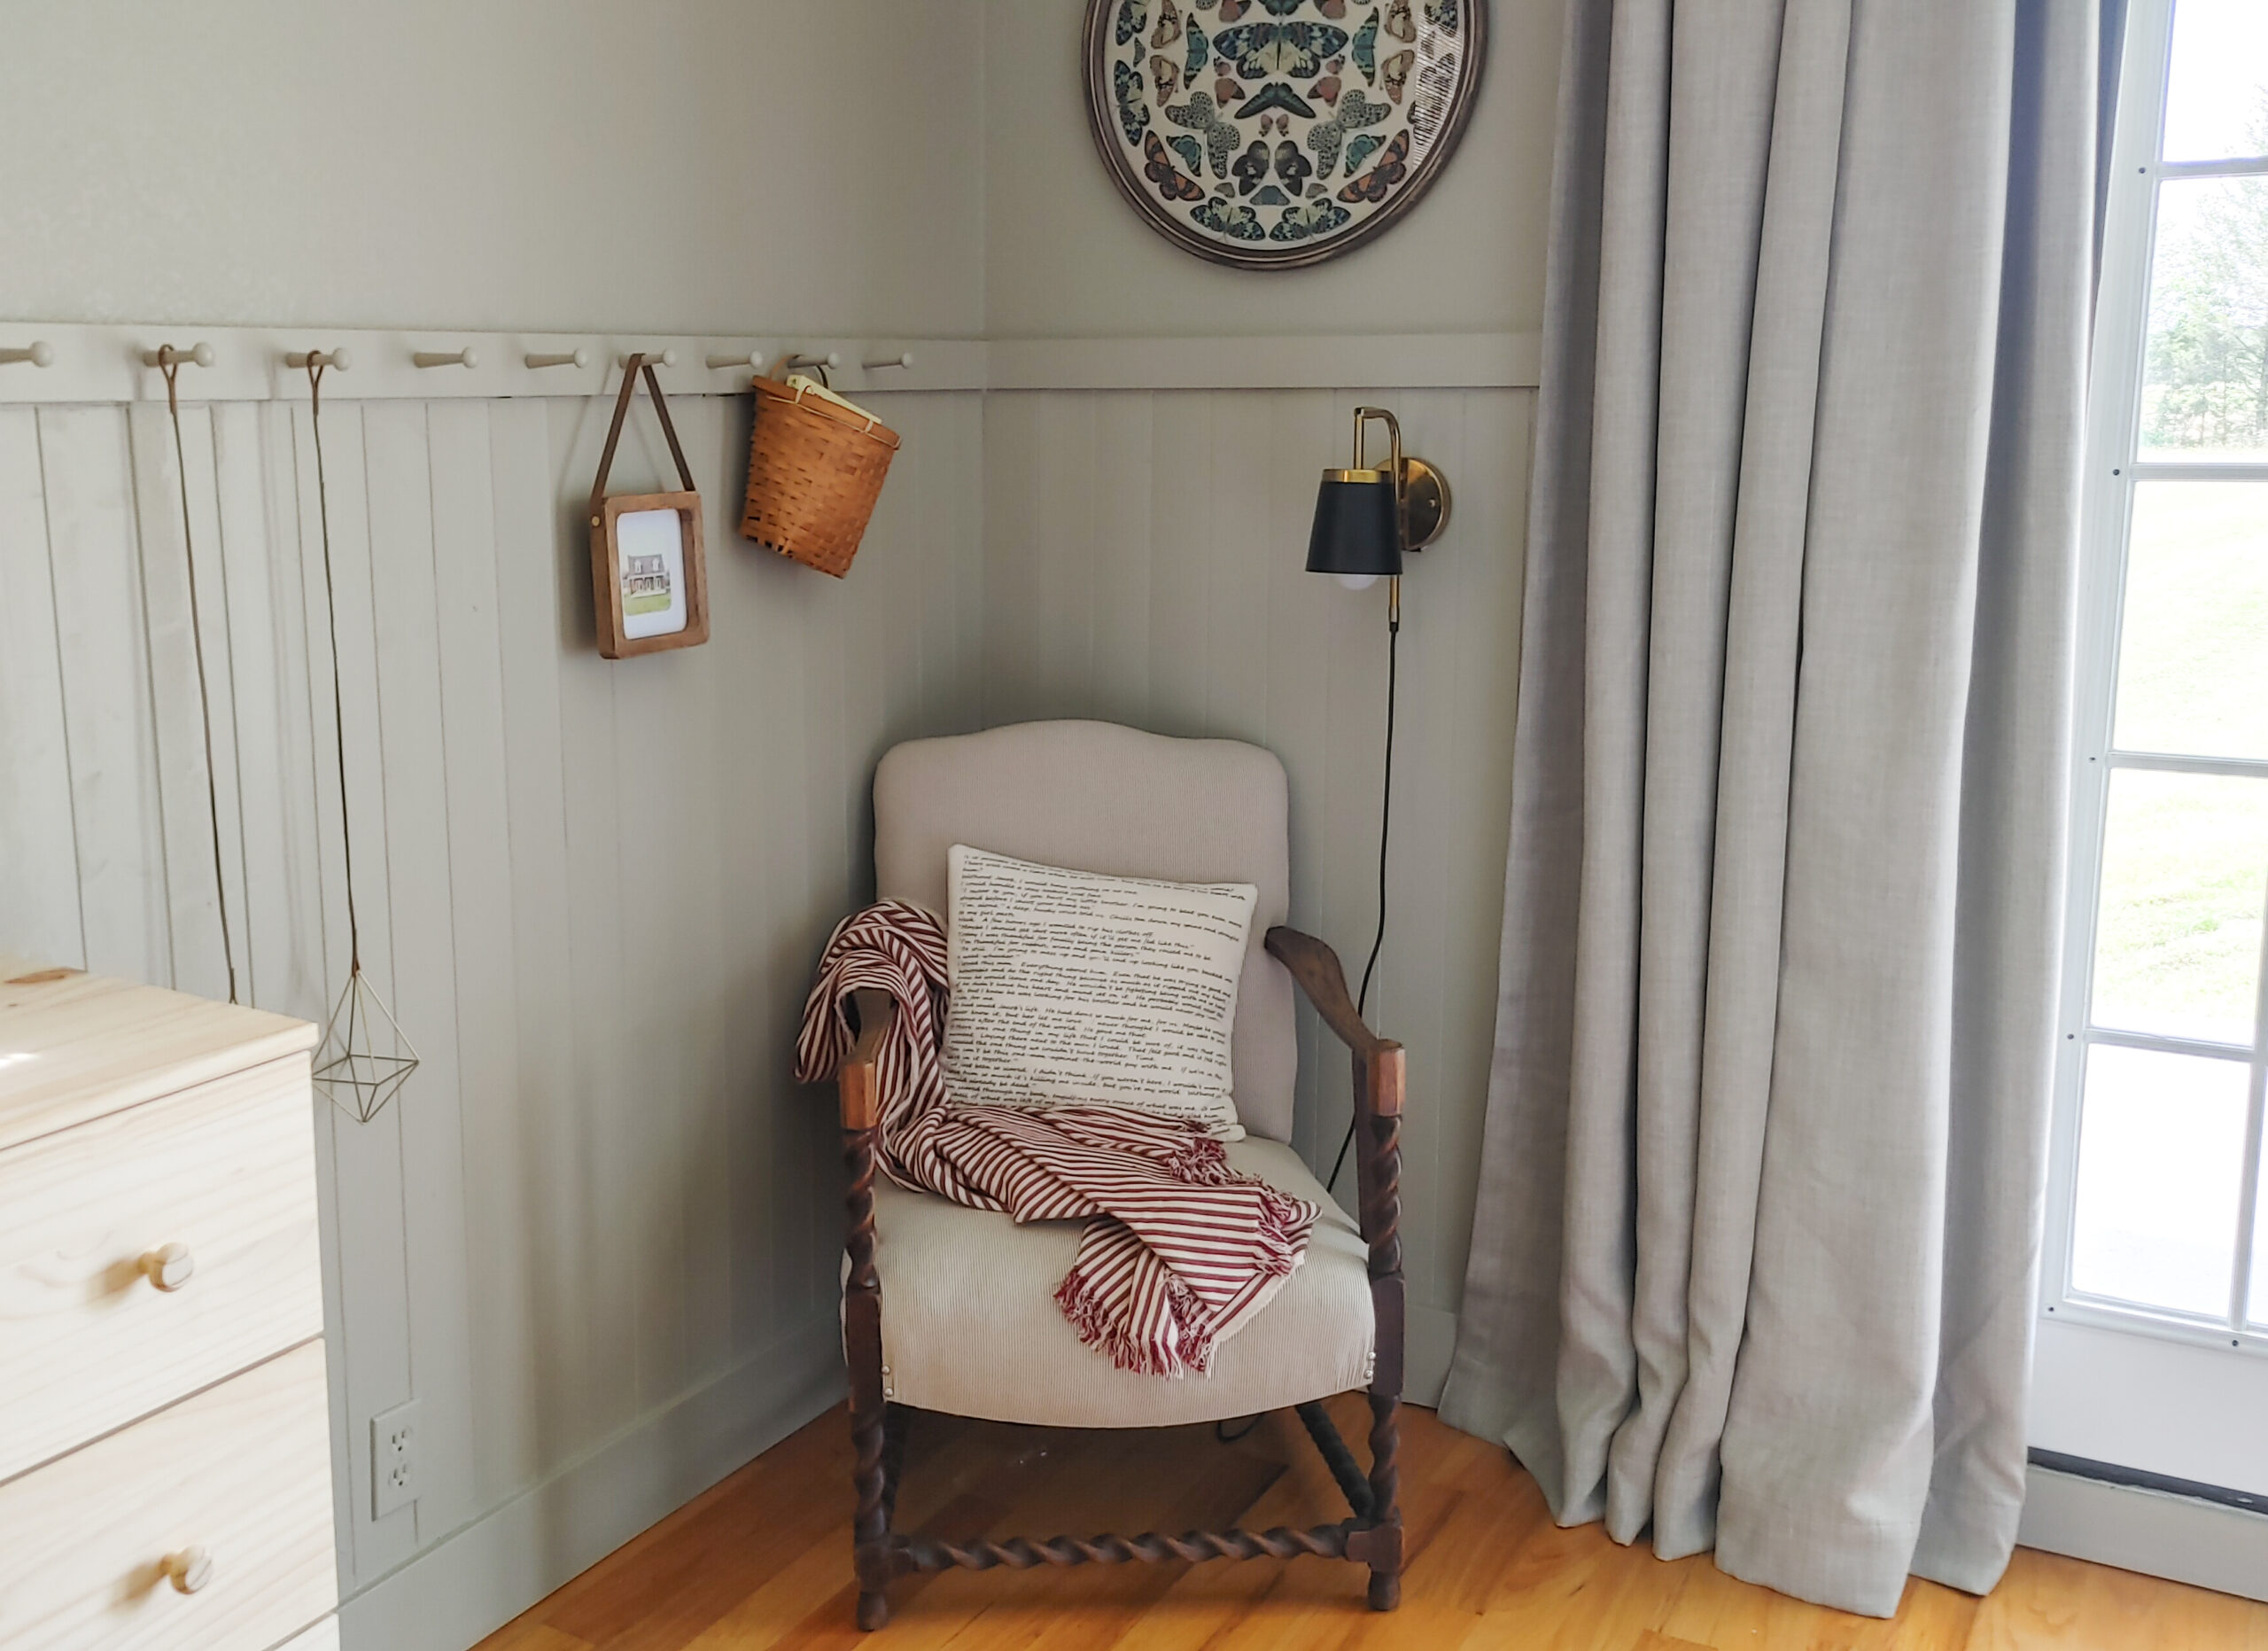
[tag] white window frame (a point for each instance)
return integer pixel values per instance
(2113, 408)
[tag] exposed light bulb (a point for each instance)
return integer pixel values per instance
(1356, 581)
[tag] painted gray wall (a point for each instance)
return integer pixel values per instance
(675, 166)
(1143, 559)
(596, 1235)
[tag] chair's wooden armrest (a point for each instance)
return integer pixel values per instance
(854, 1079)
(1316, 967)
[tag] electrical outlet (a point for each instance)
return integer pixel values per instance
(393, 1460)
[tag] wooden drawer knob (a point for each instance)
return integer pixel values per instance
(190, 1569)
(169, 1266)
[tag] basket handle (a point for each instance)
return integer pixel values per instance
(614, 431)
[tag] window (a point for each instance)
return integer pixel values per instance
(2158, 1222)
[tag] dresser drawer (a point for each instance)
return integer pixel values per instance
(240, 1472)
(88, 1339)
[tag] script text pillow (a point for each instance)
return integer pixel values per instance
(1073, 988)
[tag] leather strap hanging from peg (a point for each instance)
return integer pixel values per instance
(638, 363)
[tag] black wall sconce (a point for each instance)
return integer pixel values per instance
(1366, 521)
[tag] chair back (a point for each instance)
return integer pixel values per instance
(1096, 797)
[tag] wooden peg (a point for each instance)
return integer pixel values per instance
(336, 360)
(466, 357)
(565, 358)
(665, 358)
(167, 355)
(753, 360)
(39, 353)
(904, 358)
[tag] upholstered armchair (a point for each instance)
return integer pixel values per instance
(950, 1309)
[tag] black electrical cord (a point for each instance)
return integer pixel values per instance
(1385, 815)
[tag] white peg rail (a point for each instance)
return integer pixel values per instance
(117, 363)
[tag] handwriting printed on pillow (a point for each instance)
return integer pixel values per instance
(1073, 988)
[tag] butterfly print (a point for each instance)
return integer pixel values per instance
(1276, 127)
(1277, 95)
(1315, 217)
(1250, 169)
(1366, 49)
(1221, 137)
(1354, 113)
(1236, 221)
(1392, 167)
(1160, 169)
(1395, 72)
(1283, 50)
(1293, 167)
(1133, 108)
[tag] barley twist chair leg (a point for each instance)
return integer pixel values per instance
(1386, 1477)
(871, 1525)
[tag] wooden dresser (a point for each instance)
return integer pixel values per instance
(164, 1424)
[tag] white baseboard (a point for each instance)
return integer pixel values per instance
(478, 1577)
(1431, 1338)
(2150, 1531)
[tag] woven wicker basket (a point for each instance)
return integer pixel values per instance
(815, 468)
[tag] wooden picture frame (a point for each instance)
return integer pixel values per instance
(638, 569)
(612, 599)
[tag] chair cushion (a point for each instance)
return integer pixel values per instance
(970, 1325)
(1096, 797)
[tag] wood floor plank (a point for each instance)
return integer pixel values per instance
(762, 1562)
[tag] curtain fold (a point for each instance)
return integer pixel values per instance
(1755, 1259)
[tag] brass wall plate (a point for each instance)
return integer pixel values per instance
(1426, 512)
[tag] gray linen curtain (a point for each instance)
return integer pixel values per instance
(1763, 1182)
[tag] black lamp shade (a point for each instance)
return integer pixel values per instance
(1356, 531)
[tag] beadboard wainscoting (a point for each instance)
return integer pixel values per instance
(596, 1235)
(1143, 559)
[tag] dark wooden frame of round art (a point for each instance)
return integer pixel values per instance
(1102, 125)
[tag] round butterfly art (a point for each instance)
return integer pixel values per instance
(1273, 133)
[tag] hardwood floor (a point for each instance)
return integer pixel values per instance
(764, 1560)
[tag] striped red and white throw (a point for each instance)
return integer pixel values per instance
(1179, 1250)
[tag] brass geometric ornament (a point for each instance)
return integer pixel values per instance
(366, 1057)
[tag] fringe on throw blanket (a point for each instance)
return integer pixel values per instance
(1179, 1249)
